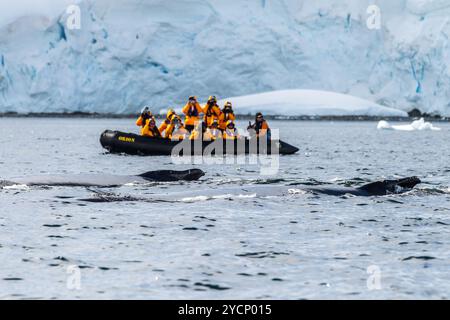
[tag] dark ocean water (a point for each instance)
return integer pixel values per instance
(235, 244)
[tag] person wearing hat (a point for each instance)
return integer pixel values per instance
(211, 111)
(192, 110)
(176, 130)
(145, 115)
(167, 121)
(150, 129)
(213, 132)
(230, 133)
(226, 115)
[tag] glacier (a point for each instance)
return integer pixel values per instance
(130, 53)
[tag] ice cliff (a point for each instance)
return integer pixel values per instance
(128, 53)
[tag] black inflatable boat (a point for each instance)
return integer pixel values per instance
(129, 143)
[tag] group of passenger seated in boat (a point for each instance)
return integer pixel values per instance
(215, 123)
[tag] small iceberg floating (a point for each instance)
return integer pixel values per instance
(420, 125)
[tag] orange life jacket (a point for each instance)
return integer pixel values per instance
(176, 134)
(192, 113)
(224, 118)
(211, 113)
(261, 128)
(151, 132)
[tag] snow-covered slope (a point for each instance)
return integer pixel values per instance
(310, 103)
(130, 52)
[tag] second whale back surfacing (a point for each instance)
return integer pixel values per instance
(108, 180)
(377, 188)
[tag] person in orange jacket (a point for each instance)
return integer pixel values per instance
(198, 131)
(167, 121)
(146, 115)
(260, 128)
(231, 133)
(151, 130)
(211, 111)
(208, 134)
(213, 132)
(192, 110)
(226, 115)
(176, 130)
(175, 122)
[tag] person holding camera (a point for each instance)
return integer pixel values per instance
(211, 111)
(175, 130)
(143, 119)
(150, 129)
(226, 115)
(192, 110)
(260, 128)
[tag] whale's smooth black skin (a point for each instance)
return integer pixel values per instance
(106, 180)
(378, 188)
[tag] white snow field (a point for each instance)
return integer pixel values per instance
(309, 103)
(129, 53)
(417, 125)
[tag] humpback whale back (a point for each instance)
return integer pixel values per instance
(105, 180)
(377, 188)
(407, 183)
(171, 175)
(380, 188)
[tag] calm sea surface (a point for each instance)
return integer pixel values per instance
(302, 246)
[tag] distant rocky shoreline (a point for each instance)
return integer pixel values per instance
(412, 115)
